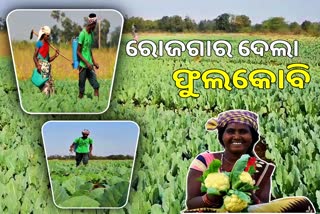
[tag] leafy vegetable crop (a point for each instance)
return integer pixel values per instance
(172, 129)
(102, 183)
(65, 99)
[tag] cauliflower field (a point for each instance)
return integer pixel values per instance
(103, 183)
(172, 128)
(65, 98)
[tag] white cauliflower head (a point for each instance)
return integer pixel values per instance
(245, 177)
(217, 180)
(234, 204)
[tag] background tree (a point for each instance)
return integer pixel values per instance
(105, 27)
(3, 24)
(56, 15)
(115, 35)
(164, 23)
(207, 26)
(189, 24)
(55, 34)
(223, 22)
(311, 28)
(295, 28)
(69, 29)
(275, 25)
(176, 24)
(137, 21)
(151, 26)
(240, 23)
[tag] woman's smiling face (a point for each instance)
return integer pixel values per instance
(237, 138)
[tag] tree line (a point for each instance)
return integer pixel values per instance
(223, 23)
(70, 29)
(93, 157)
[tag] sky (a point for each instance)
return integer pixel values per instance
(21, 22)
(109, 137)
(257, 10)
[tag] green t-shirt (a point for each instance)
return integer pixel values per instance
(86, 40)
(82, 145)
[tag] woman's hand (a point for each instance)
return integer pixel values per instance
(39, 68)
(255, 198)
(57, 53)
(217, 200)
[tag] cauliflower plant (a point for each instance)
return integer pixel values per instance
(217, 180)
(245, 177)
(234, 204)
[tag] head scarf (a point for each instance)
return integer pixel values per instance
(85, 132)
(92, 18)
(44, 30)
(233, 116)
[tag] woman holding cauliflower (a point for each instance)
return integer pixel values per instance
(230, 180)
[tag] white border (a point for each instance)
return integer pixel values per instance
(91, 121)
(115, 65)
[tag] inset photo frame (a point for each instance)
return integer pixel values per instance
(64, 59)
(90, 163)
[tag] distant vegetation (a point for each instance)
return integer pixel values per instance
(71, 29)
(223, 23)
(3, 25)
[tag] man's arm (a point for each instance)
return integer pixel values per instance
(71, 149)
(94, 62)
(81, 57)
(90, 149)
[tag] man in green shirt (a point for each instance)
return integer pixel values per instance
(83, 148)
(87, 62)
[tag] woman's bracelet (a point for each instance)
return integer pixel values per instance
(206, 200)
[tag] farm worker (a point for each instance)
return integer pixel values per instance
(83, 148)
(134, 33)
(42, 59)
(238, 133)
(87, 62)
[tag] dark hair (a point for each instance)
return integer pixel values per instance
(92, 15)
(41, 37)
(254, 133)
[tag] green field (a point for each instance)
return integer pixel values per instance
(102, 183)
(65, 98)
(172, 128)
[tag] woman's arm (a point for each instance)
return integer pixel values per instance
(35, 59)
(55, 56)
(196, 198)
(264, 191)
